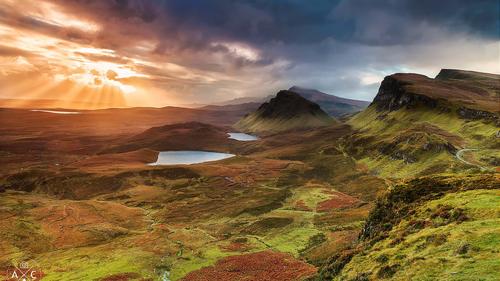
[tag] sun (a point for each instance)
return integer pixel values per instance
(99, 74)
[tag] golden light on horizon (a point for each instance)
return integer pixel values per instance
(57, 48)
(47, 66)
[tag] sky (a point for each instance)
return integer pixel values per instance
(158, 53)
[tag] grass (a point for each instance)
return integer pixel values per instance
(310, 196)
(256, 124)
(292, 240)
(455, 251)
(93, 263)
(386, 167)
(475, 133)
(433, 127)
(194, 260)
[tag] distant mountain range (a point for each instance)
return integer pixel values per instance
(333, 105)
(288, 110)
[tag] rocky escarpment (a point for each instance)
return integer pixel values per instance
(471, 95)
(394, 94)
(474, 114)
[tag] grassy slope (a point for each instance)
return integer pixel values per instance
(465, 134)
(255, 124)
(444, 227)
(450, 237)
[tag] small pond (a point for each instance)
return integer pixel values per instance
(242, 137)
(56, 111)
(188, 157)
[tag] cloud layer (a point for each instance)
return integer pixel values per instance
(205, 51)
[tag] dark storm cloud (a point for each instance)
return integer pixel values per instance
(194, 24)
(258, 46)
(262, 21)
(404, 22)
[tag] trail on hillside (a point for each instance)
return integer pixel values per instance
(460, 158)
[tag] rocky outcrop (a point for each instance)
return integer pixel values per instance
(393, 95)
(474, 114)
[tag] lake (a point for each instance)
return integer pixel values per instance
(188, 157)
(242, 137)
(56, 111)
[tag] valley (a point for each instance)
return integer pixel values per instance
(406, 189)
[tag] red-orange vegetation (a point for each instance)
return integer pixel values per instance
(339, 200)
(260, 266)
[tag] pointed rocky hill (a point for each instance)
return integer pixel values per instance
(286, 111)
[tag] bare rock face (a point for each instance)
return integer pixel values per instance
(393, 94)
(473, 95)
(473, 114)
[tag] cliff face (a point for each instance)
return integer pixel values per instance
(471, 95)
(417, 130)
(417, 124)
(394, 94)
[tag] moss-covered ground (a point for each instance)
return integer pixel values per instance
(431, 228)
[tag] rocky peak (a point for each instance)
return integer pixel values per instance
(286, 111)
(288, 104)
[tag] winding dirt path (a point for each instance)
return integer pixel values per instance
(460, 153)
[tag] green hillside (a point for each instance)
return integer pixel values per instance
(407, 131)
(432, 228)
(436, 142)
